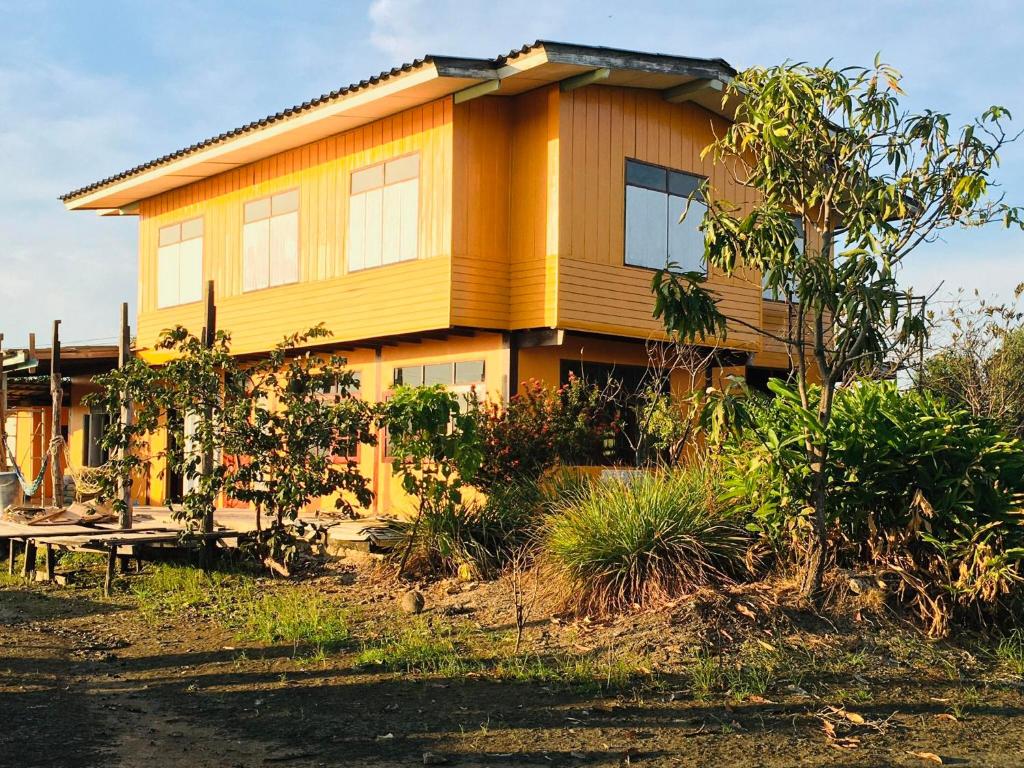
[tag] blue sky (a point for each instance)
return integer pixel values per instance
(90, 89)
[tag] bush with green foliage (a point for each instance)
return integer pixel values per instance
(916, 485)
(539, 428)
(618, 543)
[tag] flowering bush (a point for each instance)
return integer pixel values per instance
(541, 427)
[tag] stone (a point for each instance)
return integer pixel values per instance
(432, 758)
(413, 601)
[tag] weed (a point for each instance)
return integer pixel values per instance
(1010, 652)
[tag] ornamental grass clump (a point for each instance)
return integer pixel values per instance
(617, 544)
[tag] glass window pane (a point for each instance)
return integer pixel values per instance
(284, 249)
(170, 235)
(646, 227)
(255, 255)
(191, 229)
(402, 169)
(286, 202)
(190, 271)
(373, 230)
(257, 209)
(409, 215)
(685, 240)
(356, 232)
(437, 373)
(644, 175)
(391, 225)
(167, 275)
(684, 184)
(367, 178)
(410, 376)
(469, 372)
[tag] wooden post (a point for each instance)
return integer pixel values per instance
(12, 553)
(49, 561)
(111, 562)
(56, 478)
(123, 351)
(209, 335)
(29, 566)
(3, 409)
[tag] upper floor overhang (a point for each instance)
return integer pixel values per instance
(543, 63)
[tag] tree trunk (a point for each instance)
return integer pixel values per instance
(817, 554)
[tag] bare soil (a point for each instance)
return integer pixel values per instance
(86, 681)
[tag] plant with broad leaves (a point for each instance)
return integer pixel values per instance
(437, 450)
(848, 185)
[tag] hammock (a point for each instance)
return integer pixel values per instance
(84, 477)
(29, 489)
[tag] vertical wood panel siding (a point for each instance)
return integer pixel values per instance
(480, 212)
(601, 126)
(397, 298)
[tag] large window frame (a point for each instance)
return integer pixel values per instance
(655, 197)
(180, 251)
(379, 194)
(267, 223)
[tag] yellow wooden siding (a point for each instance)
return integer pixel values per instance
(403, 297)
(480, 213)
(536, 167)
(601, 126)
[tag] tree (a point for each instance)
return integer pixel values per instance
(436, 450)
(838, 165)
(291, 424)
(282, 420)
(981, 364)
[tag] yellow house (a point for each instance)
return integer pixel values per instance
(471, 222)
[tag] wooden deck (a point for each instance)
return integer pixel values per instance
(155, 527)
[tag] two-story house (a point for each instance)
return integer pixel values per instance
(468, 222)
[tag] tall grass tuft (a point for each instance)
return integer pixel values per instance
(615, 544)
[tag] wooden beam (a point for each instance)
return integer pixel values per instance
(586, 78)
(3, 410)
(687, 91)
(56, 478)
(475, 91)
(209, 336)
(123, 353)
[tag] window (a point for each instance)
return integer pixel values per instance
(270, 238)
(179, 263)
(349, 448)
(774, 294)
(94, 424)
(655, 199)
(383, 211)
(465, 373)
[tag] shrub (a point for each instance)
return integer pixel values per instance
(917, 485)
(614, 544)
(539, 428)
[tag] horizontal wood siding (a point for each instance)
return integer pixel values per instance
(601, 126)
(397, 298)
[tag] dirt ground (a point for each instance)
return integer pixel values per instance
(86, 681)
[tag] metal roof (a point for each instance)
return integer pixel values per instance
(460, 71)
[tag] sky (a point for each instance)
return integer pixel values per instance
(90, 89)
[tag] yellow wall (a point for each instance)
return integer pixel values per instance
(600, 127)
(397, 298)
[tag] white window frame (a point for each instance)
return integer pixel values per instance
(179, 262)
(655, 199)
(383, 213)
(270, 253)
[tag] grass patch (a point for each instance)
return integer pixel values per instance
(608, 671)
(1010, 652)
(616, 544)
(296, 615)
(419, 648)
